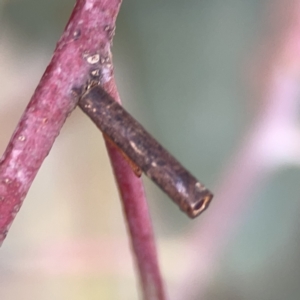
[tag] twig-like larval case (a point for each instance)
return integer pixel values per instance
(156, 162)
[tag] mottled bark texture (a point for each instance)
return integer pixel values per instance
(83, 51)
(87, 33)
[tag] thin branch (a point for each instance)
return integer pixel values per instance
(139, 225)
(137, 217)
(83, 50)
(52, 102)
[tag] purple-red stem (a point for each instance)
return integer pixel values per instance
(88, 33)
(139, 224)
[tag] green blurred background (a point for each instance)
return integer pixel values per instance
(182, 68)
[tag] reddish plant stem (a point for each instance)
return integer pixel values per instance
(139, 224)
(135, 207)
(52, 102)
(83, 48)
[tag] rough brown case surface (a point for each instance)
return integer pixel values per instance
(157, 163)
